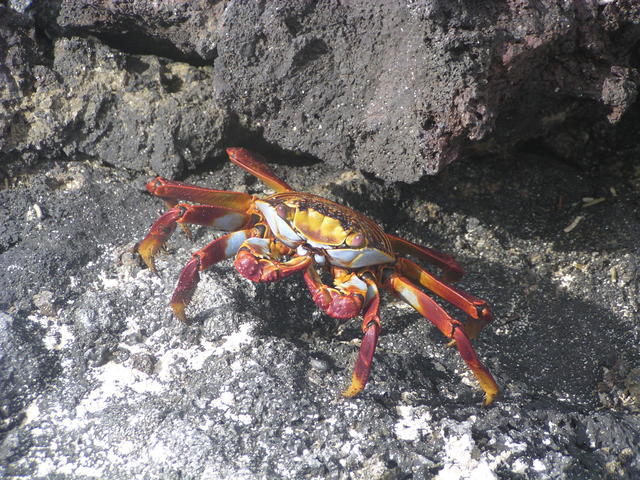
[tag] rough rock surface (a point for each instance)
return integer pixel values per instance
(97, 380)
(396, 89)
(401, 89)
(94, 102)
(179, 30)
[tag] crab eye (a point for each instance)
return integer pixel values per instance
(281, 210)
(355, 240)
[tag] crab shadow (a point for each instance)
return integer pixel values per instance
(552, 352)
(556, 345)
(534, 197)
(546, 344)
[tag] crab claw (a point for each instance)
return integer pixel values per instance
(343, 303)
(333, 303)
(253, 262)
(255, 269)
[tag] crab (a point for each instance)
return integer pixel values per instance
(289, 232)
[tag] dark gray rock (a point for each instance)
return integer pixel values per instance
(27, 368)
(128, 109)
(398, 90)
(19, 55)
(135, 112)
(19, 59)
(185, 31)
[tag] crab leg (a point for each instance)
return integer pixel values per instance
(216, 251)
(256, 261)
(451, 270)
(221, 218)
(171, 191)
(254, 163)
(371, 329)
(477, 308)
(342, 302)
(169, 203)
(337, 303)
(449, 326)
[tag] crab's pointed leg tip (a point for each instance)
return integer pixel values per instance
(147, 249)
(354, 389)
(148, 261)
(488, 399)
(151, 264)
(452, 343)
(179, 311)
(350, 392)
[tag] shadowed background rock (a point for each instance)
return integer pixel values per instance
(395, 89)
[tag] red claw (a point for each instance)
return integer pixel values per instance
(262, 270)
(331, 301)
(336, 304)
(251, 268)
